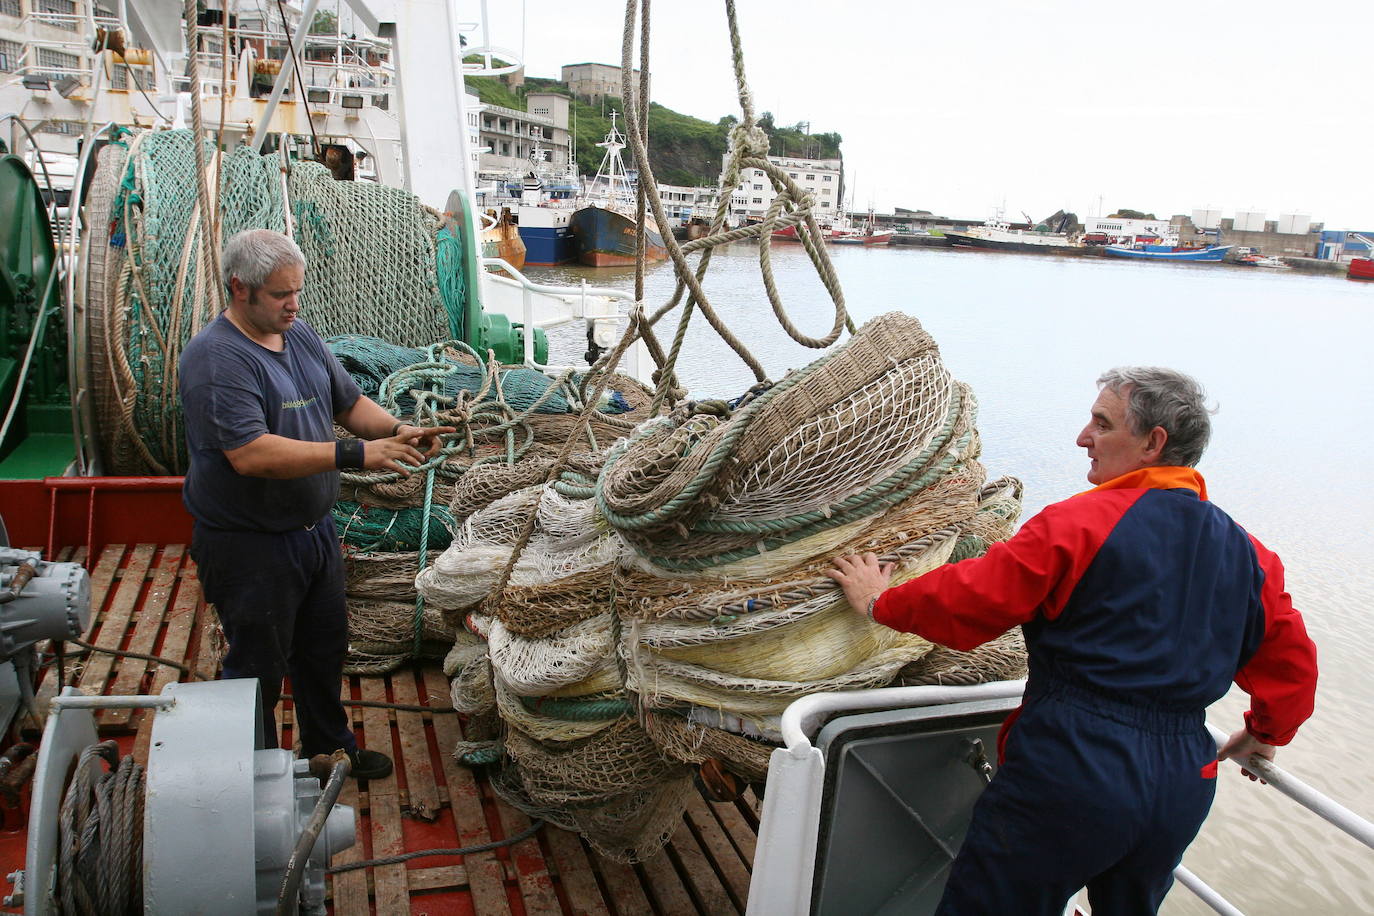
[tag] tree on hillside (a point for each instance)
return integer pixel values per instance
(1131, 214)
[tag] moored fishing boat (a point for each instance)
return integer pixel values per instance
(544, 211)
(605, 235)
(502, 239)
(604, 223)
(1361, 269)
(865, 236)
(1212, 254)
(997, 235)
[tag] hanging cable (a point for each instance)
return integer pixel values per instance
(300, 79)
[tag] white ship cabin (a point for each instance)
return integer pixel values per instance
(1120, 231)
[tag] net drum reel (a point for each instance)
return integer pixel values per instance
(222, 816)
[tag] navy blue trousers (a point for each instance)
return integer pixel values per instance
(280, 599)
(1093, 793)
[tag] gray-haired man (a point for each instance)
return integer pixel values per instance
(1141, 602)
(261, 394)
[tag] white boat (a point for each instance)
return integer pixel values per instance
(998, 235)
(1270, 261)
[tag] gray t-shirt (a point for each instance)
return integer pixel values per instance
(233, 391)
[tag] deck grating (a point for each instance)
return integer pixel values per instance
(146, 598)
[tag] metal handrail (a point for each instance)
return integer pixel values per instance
(1286, 783)
(602, 292)
(529, 287)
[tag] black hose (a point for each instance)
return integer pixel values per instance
(287, 904)
(520, 837)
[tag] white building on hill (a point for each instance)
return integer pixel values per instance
(824, 178)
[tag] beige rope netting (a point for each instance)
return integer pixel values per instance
(659, 604)
(630, 642)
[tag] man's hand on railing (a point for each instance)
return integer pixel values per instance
(1243, 745)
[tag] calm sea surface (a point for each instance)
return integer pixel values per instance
(1289, 360)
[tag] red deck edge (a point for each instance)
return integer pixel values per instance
(58, 512)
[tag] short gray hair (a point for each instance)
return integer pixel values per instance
(253, 254)
(1165, 398)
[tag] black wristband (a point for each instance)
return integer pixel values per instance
(397, 428)
(348, 454)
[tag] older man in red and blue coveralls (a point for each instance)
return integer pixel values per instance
(1140, 602)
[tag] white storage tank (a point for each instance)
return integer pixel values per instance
(1207, 218)
(1250, 220)
(1294, 223)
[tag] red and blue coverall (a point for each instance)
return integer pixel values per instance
(1140, 602)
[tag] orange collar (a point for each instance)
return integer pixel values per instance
(1158, 477)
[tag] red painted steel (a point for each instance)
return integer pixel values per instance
(61, 512)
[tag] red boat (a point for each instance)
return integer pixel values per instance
(1361, 269)
(789, 233)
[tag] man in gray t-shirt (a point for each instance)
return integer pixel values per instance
(261, 395)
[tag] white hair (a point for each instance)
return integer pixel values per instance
(1168, 399)
(253, 254)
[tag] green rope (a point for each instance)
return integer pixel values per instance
(480, 757)
(577, 710)
(419, 618)
(376, 528)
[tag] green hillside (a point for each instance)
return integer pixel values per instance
(682, 150)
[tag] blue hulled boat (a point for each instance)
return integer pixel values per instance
(604, 225)
(1169, 252)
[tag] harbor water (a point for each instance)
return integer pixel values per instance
(1284, 356)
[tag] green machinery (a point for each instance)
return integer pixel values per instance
(35, 402)
(459, 272)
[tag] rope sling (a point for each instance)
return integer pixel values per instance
(656, 609)
(624, 585)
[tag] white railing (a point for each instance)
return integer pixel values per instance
(803, 718)
(546, 306)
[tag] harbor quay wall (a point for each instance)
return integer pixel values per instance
(1280, 244)
(1316, 266)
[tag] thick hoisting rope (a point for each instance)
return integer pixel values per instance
(748, 148)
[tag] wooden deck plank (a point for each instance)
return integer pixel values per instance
(485, 874)
(383, 807)
(575, 873)
(349, 889)
(422, 792)
(531, 871)
(622, 883)
(752, 806)
(132, 671)
(438, 878)
(706, 887)
(669, 894)
(114, 623)
(724, 855)
(742, 834)
(187, 609)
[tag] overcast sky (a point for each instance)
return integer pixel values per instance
(956, 106)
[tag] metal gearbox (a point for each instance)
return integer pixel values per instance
(222, 814)
(40, 600)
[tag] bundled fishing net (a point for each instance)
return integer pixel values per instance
(151, 282)
(500, 413)
(386, 621)
(670, 598)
